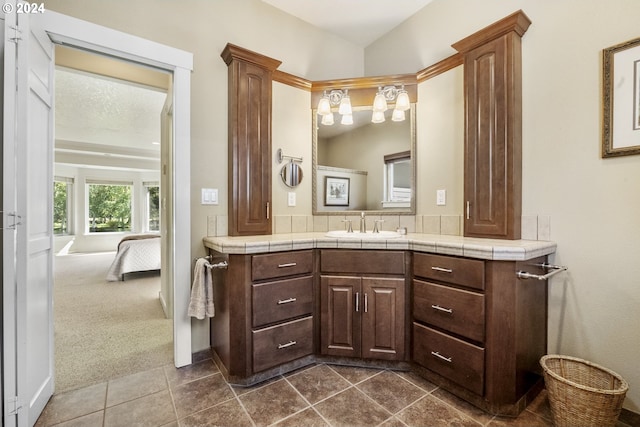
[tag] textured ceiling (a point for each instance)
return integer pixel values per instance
(99, 110)
(359, 21)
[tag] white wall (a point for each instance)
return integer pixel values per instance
(593, 203)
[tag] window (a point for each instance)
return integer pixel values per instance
(152, 207)
(62, 205)
(109, 206)
(398, 178)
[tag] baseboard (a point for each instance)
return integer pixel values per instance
(163, 303)
(629, 418)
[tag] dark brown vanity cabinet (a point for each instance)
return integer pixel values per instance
(264, 313)
(362, 299)
(449, 318)
(479, 330)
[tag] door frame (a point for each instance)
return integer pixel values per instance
(63, 29)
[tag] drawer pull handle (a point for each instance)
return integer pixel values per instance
(286, 301)
(442, 270)
(446, 310)
(289, 264)
(441, 357)
(289, 344)
(366, 303)
(357, 302)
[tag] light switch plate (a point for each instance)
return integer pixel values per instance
(291, 199)
(441, 197)
(209, 196)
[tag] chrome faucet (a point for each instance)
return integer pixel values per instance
(363, 223)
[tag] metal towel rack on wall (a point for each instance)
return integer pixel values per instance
(555, 270)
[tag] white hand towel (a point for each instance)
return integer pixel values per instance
(201, 303)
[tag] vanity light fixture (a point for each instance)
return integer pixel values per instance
(387, 94)
(334, 98)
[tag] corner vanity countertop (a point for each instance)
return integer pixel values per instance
(489, 249)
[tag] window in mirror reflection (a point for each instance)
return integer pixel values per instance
(397, 179)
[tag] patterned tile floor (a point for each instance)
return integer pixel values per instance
(318, 395)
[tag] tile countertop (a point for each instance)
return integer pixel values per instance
(490, 249)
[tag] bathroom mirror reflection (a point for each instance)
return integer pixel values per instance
(378, 158)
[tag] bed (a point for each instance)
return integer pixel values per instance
(136, 253)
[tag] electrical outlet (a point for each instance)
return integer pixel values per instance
(441, 197)
(291, 199)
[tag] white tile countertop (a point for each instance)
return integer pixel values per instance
(490, 249)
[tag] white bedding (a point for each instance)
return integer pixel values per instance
(135, 255)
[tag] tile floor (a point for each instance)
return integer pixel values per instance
(318, 395)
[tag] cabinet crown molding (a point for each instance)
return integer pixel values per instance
(517, 22)
(232, 52)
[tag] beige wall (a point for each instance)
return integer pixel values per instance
(593, 203)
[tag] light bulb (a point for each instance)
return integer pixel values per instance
(327, 119)
(347, 119)
(380, 102)
(398, 115)
(345, 105)
(402, 102)
(324, 106)
(377, 117)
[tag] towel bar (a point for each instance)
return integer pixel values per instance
(555, 270)
(221, 264)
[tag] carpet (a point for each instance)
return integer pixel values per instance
(104, 330)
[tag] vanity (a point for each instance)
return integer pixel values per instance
(456, 310)
(450, 308)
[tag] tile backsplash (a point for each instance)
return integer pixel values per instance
(534, 227)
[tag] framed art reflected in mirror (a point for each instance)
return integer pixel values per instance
(336, 191)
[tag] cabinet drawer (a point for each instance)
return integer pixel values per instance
(281, 300)
(455, 310)
(282, 343)
(281, 264)
(362, 262)
(457, 360)
(460, 271)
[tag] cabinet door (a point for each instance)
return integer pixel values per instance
(250, 83)
(340, 317)
(383, 318)
(493, 153)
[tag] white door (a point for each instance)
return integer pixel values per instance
(27, 192)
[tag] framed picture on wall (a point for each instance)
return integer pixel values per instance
(621, 99)
(336, 191)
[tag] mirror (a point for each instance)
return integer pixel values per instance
(376, 159)
(291, 174)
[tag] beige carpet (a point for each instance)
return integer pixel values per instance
(105, 330)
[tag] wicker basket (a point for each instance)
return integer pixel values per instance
(582, 393)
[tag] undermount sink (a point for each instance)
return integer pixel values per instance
(342, 234)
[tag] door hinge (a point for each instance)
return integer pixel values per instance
(16, 220)
(17, 34)
(13, 405)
